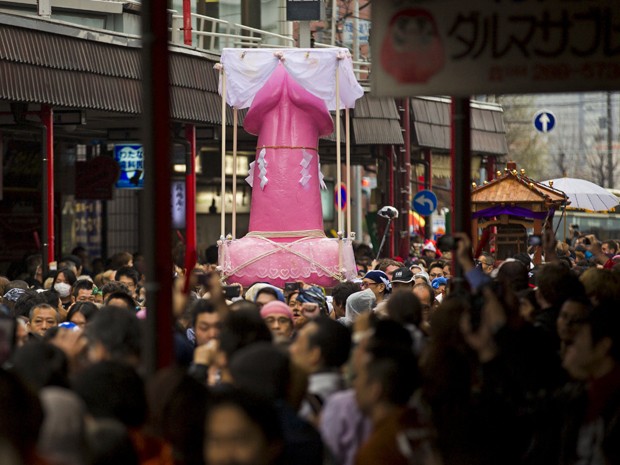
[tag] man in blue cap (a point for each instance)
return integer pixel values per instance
(439, 286)
(379, 283)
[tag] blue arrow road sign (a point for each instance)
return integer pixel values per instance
(544, 121)
(424, 202)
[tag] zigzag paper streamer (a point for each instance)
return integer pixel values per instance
(250, 178)
(262, 168)
(305, 163)
(321, 177)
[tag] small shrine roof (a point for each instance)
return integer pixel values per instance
(513, 186)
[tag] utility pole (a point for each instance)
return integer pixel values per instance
(251, 13)
(356, 31)
(334, 22)
(155, 202)
(610, 150)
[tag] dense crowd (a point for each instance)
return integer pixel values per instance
(512, 363)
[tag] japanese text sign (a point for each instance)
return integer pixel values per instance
(130, 158)
(452, 47)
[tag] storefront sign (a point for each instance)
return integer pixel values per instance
(130, 158)
(305, 10)
(461, 48)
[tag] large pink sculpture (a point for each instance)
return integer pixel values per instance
(288, 121)
(286, 241)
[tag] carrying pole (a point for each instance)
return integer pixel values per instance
(234, 176)
(338, 153)
(223, 188)
(348, 167)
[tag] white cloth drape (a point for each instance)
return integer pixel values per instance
(247, 71)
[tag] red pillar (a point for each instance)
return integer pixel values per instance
(428, 184)
(190, 204)
(47, 117)
(187, 22)
(428, 175)
(490, 167)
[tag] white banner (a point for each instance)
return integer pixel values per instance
(363, 32)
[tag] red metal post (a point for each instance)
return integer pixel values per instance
(47, 117)
(490, 167)
(190, 203)
(405, 187)
(156, 208)
(428, 175)
(390, 157)
(187, 22)
(428, 184)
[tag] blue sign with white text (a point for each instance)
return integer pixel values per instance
(544, 121)
(424, 202)
(130, 159)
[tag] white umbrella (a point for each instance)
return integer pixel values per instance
(584, 194)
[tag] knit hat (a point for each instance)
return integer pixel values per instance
(439, 282)
(275, 307)
(379, 277)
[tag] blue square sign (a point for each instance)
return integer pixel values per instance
(130, 159)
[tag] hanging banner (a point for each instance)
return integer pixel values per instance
(458, 48)
(178, 201)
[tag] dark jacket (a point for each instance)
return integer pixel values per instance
(581, 405)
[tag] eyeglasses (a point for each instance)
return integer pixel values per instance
(365, 285)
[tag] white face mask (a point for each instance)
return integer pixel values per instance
(63, 289)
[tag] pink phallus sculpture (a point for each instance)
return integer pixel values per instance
(286, 241)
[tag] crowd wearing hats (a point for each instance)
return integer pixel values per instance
(510, 362)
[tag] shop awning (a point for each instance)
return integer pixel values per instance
(376, 121)
(63, 65)
(431, 126)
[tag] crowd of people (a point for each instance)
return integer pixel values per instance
(508, 362)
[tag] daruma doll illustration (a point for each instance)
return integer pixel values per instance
(412, 51)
